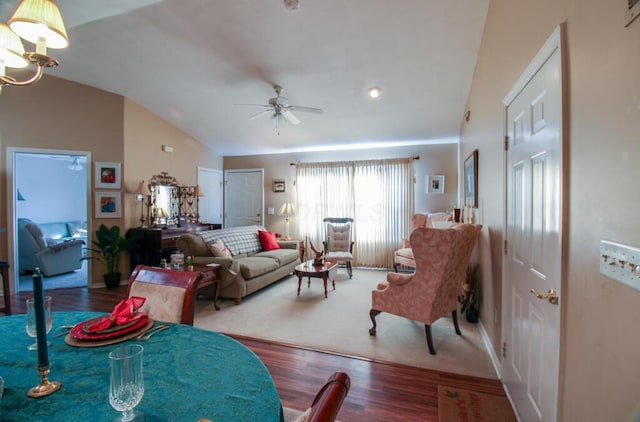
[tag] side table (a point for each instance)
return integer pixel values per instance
(208, 276)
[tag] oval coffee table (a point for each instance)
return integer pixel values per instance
(326, 271)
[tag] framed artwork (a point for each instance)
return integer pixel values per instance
(278, 185)
(107, 175)
(435, 184)
(471, 179)
(108, 205)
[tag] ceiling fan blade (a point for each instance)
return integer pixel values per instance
(290, 117)
(262, 113)
(257, 105)
(306, 109)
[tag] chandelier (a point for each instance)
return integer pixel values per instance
(36, 21)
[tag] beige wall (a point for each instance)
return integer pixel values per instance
(434, 159)
(599, 374)
(61, 115)
(144, 135)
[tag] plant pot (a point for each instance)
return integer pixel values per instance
(471, 315)
(111, 280)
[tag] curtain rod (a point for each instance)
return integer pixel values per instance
(417, 157)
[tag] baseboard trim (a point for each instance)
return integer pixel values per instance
(489, 346)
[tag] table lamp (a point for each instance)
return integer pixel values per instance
(287, 209)
(141, 193)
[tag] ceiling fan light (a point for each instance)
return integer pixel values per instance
(11, 48)
(36, 19)
(374, 92)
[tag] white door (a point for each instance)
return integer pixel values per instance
(210, 205)
(244, 197)
(531, 328)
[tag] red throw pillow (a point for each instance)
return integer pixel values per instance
(268, 240)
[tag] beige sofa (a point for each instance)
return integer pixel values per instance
(250, 268)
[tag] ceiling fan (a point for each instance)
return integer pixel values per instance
(279, 107)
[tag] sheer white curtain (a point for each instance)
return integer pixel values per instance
(377, 194)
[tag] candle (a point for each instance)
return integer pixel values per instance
(41, 323)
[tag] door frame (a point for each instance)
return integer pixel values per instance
(555, 42)
(12, 223)
(219, 195)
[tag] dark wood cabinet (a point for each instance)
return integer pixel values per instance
(150, 245)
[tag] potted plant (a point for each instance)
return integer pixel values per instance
(469, 299)
(109, 245)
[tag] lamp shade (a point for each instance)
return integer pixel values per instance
(40, 18)
(11, 48)
(197, 191)
(288, 208)
(142, 189)
(162, 213)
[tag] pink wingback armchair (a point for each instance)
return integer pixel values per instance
(442, 257)
(404, 255)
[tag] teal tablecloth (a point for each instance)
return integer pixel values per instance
(189, 373)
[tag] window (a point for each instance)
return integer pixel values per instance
(377, 194)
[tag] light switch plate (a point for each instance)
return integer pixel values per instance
(620, 262)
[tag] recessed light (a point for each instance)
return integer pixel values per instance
(374, 92)
(292, 4)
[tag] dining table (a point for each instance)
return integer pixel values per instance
(189, 374)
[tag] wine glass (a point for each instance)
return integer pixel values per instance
(31, 319)
(126, 385)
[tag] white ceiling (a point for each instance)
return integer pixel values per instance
(192, 61)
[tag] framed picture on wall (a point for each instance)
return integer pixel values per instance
(471, 179)
(435, 184)
(278, 185)
(108, 205)
(107, 175)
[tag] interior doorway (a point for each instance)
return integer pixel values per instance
(244, 197)
(49, 189)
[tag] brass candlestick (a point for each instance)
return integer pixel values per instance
(45, 387)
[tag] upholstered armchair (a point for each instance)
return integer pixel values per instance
(338, 243)
(442, 257)
(404, 255)
(53, 258)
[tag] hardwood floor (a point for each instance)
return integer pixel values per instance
(379, 391)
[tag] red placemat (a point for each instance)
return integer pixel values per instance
(78, 331)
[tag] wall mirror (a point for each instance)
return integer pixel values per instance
(471, 180)
(165, 200)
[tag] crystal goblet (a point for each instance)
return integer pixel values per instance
(126, 384)
(31, 319)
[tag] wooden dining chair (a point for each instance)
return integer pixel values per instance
(170, 294)
(328, 400)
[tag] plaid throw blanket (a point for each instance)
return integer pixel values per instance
(238, 239)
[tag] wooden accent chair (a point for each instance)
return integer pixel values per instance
(328, 400)
(338, 243)
(442, 257)
(404, 255)
(170, 294)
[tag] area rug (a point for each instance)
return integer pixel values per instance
(455, 404)
(341, 324)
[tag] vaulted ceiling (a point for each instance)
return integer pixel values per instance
(193, 61)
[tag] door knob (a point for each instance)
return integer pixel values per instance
(551, 296)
